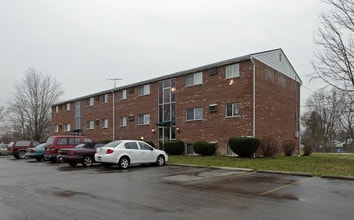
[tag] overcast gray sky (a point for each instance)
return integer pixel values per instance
(81, 43)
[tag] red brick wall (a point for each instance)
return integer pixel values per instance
(275, 109)
(277, 106)
(215, 90)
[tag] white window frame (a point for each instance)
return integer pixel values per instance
(67, 107)
(232, 71)
(235, 110)
(56, 109)
(194, 79)
(90, 125)
(90, 101)
(197, 114)
(105, 98)
(56, 128)
(123, 121)
(105, 123)
(123, 94)
(144, 90)
(144, 119)
(67, 127)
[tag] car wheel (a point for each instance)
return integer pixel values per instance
(107, 165)
(73, 164)
(124, 162)
(87, 161)
(21, 154)
(160, 160)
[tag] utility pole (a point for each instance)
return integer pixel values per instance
(113, 105)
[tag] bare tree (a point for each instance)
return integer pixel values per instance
(321, 119)
(32, 102)
(346, 118)
(335, 59)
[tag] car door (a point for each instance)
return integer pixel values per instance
(147, 153)
(132, 149)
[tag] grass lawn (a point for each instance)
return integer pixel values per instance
(317, 164)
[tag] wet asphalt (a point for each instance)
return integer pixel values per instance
(44, 190)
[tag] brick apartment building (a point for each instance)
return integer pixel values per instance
(253, 95)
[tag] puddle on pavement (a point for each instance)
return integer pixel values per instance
(233, 182)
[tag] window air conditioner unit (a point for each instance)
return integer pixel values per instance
(213, 108)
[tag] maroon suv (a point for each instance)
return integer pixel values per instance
(54, 143)
(19, 148)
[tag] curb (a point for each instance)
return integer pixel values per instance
(265, 171)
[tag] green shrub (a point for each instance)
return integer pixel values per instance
(244, 146)
(289, 147)
(268, 146)
(174, 147)
(203, 148)
(307, 150)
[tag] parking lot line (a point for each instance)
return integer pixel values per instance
(219, 178)
(283, 186)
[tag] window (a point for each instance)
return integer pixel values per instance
(144, 90)
(131, 145)
(56, 128)
(89, 124)
(62, 141)
(74, 140)
(105, 98)
(67, 107)
(105, 123)
(233, 110)
(144, 119)
(56, 109)
(194, 79)
(123, 94)
(144, 146)
(67, 127)
(90, 101)
(194, 114)
(123, 121)
(281, 81)
(232, 71)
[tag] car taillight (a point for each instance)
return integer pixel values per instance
(109, 151)
(32, 151)
(70, 152)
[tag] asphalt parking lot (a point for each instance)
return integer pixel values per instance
(44, 190)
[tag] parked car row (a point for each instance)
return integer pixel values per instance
(3, 149)
(83, 150)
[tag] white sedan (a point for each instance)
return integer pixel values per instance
(127, 152)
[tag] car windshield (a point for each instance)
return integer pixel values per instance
(80, 146)
(50, 140)
(40, 146)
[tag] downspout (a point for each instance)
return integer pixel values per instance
(254, 97)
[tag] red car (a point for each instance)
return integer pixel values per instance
(81, 153)
(55, 143)
(19, 148)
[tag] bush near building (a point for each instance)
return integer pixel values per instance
(289, 147)
(174, 147)
(244, 146)
(268, 146)
(203, 148)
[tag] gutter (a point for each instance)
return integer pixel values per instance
(254, 97)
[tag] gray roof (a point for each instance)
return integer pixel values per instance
(176, 74)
